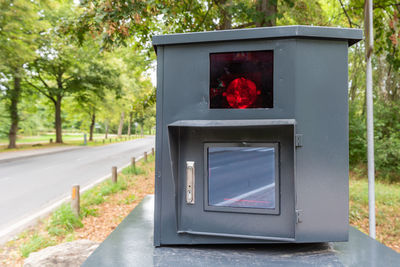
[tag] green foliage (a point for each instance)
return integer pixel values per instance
(118, 21)
(132, 170)
(63, 220)
(35, 243)
(386, 194)
(357, 138)
(85, 212)
(111, 188)
(4, 121)
(387, 140)
(92, 197)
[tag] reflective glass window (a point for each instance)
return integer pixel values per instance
(241, 177)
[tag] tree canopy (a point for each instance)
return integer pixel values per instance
(86, 65)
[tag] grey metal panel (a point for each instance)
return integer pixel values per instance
(185, 97)
(322, 161)
(186, 81)
(231, 123)
(195, 218)
(158, 156)
(130, 245)
(351, 35)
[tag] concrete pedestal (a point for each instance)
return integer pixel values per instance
(131, 244)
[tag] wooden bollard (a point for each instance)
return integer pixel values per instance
(152, 151)
(133, 162)
(75, 200)
(114, 176)
(145, 156)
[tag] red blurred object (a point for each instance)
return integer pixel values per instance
(241, 93)
(241, 80)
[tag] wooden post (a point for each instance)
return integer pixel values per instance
(51, 140)
(110, 140)
(145, 156)
(133, 162)
(152, 151)
(75, 200)
(103, 141)
(114, 175)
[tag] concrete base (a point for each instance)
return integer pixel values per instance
(131, 244)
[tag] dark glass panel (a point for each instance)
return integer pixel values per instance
(241, 80)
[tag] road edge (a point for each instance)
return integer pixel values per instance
(9, 233)
(73, 148)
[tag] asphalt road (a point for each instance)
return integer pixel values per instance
(30, 184)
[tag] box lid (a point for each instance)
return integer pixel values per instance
(312, 32)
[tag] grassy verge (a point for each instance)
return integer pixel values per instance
(387, 197)
(102, 208)
(98, 141)
(45, 137)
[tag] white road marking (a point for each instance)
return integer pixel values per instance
(245, 195)
(214, 168)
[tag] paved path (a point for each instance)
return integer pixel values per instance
(28, 185)
(13, 155)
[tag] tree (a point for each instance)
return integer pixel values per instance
(120, 20)
(63, 69)
(20, 25)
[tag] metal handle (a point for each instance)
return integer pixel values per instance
(190, 182)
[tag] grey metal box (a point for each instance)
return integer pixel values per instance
(299, 140)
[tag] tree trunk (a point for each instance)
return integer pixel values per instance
(58, 123)
(226, 21)
(121, 124)
(13, 109)
(92, 125)
(130, 123)
(141, 130)
(267, 10)
(106, 123)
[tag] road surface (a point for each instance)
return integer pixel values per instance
(30, 184)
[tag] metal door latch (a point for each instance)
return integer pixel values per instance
(299, 140)
(299, 216)
(190, 180)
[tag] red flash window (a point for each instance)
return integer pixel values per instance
(241, 80)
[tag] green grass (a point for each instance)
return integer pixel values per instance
(35, 243)
(387, 203)
(109, 187)
(63, 220)
(97, 194)
(87, 211)
(385, 194)
(92, 197)
(132, 170)
(47, 137)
